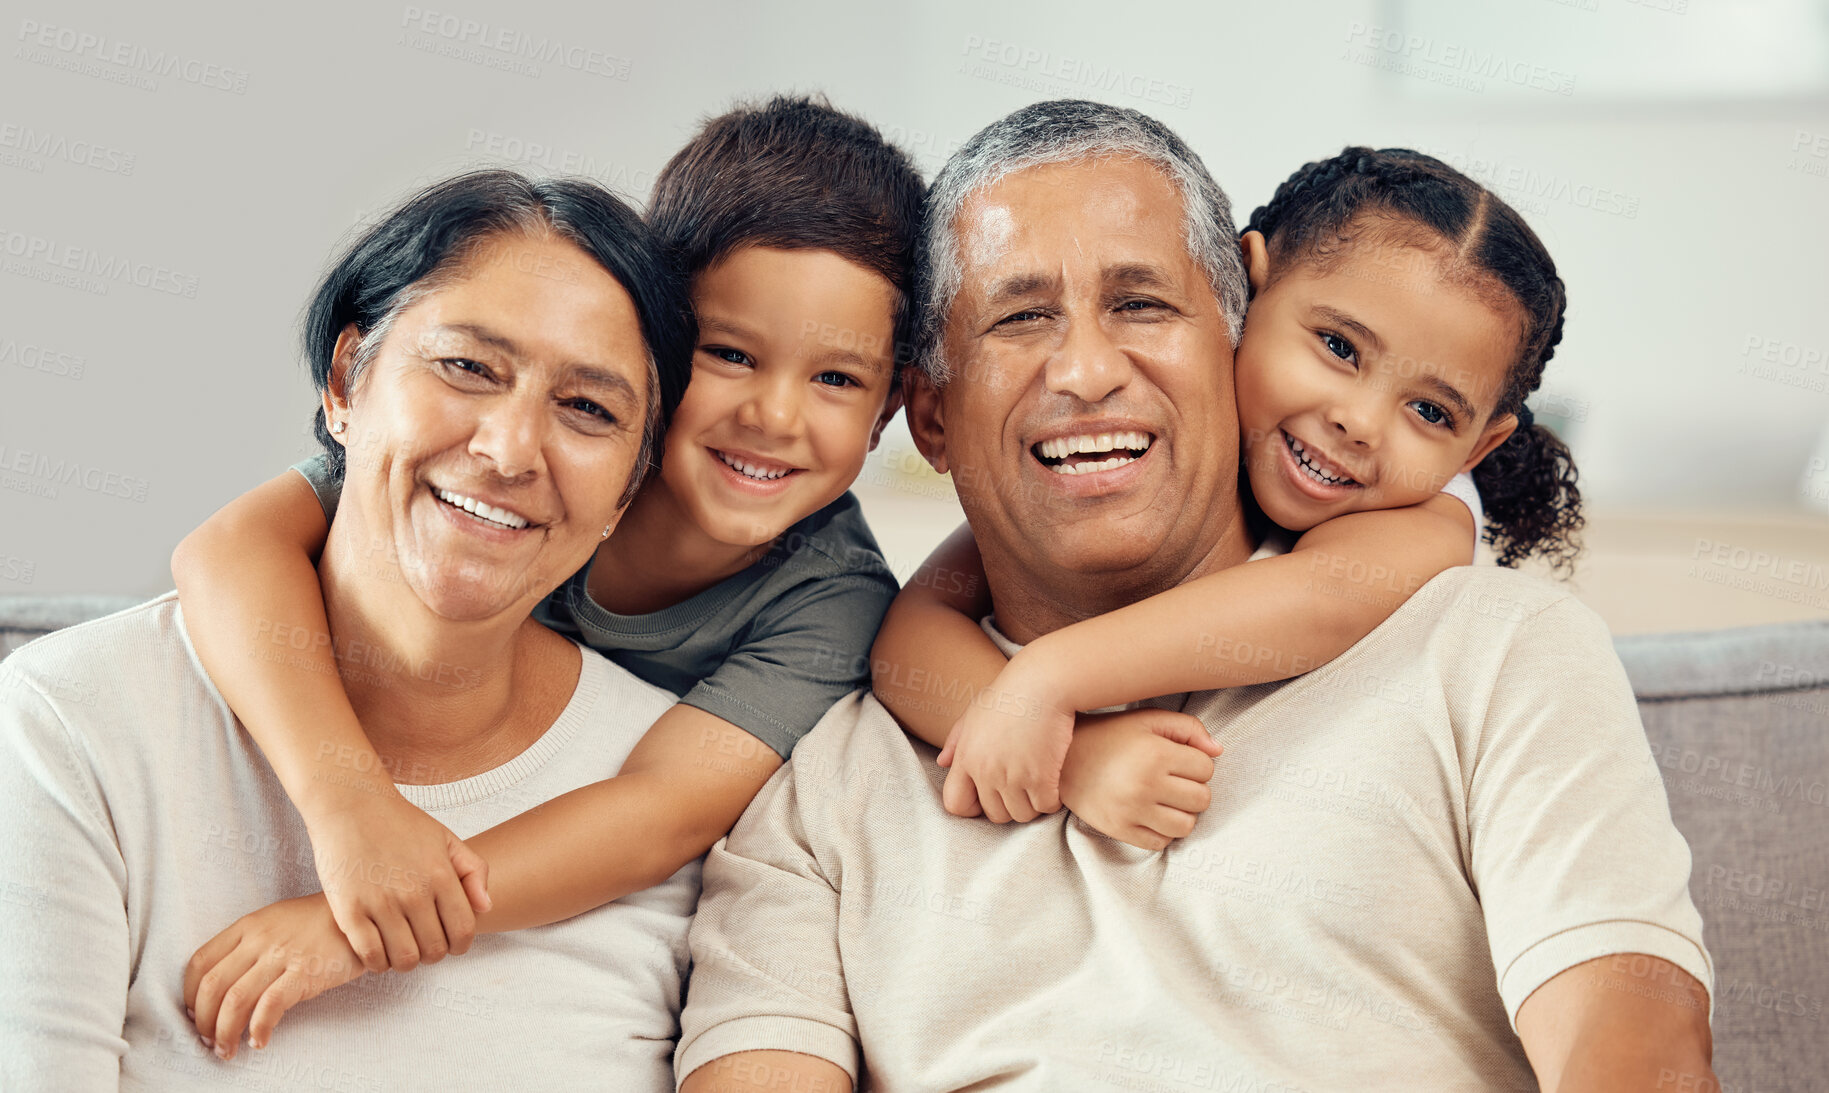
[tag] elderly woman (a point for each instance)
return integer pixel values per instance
(139, 817)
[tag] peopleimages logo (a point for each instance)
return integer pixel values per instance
(95, 268)
(129, 62)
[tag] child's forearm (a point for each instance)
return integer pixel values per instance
(255, 613)
(929, 664)
(1257, 622)
(680, 791)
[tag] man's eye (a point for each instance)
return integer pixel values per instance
(729, 355)
(1340, 347)
(1433, 414)
(1138, 305)
(586, 406)
(835, 379)
(1020, 317)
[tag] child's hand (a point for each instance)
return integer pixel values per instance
(262, 966)
(1140, 776)
(1005, 754)
(403, 889)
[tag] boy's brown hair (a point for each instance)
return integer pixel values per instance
(794, 173)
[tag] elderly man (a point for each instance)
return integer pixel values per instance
(1383, 890)
(139, 818)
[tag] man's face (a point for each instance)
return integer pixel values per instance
(1089, 423)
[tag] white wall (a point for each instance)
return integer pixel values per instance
(1688, 214)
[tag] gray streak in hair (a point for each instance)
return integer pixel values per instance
(1060, 131)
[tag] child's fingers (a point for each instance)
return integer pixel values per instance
(994, 810)
(1192, 764)
(238, 1002)
(1044, 799)
(1016, 803)
(428, 930)
(960, 794)
(397, 936)
(1184, 729)
(365, 938)
(1170, 823)
(473, 873)
(1143, 838)
(206, 958)
(1185, 794)
(216, 983)
(284, 993)
(458, 919)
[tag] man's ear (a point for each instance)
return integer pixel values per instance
(1497, 433)
(883, 419)
(336, 385)
(926, 419)
(1257, 260)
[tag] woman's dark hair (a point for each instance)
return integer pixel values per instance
(1527, 484)
(424, 242)
(793, 173)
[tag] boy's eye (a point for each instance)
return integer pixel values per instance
(1433, 414)
(835, 379)
(729, 355)
(1340, 347)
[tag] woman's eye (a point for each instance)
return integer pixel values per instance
(464, 364)
(1433, 414)
(835, 379)
(728, 355)
(1340, 347)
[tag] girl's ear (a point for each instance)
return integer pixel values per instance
(890, 406)
(336, 385)
(1257, 260)
(1497, 433)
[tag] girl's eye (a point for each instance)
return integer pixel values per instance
(835, 379)
(728, 355)
(1340, 347)
(1433, 414)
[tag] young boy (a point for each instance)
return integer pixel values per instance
(741, 576)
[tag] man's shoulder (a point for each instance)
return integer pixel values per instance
(1492, 598)
(860, 745)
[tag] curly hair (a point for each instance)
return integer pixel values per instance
(1528, 483)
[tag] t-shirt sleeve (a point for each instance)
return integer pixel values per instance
(63, 907)
(1461, 486)
(329, 490)
(1573, 851)
(802, 653)
(766, 969)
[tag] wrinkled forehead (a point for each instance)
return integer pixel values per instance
(1110, 209)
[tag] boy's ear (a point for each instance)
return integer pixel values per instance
(890, 406)
(1257, 260)
(336, 386)
(1497, 433)
(926, 419)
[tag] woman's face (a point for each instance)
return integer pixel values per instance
(491, 439)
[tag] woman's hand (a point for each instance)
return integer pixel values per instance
(1140, 776)
(404, 889)
(1006, 753)
(262, 966)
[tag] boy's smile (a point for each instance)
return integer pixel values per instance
(790, 386)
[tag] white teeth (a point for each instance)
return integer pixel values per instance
(477, 508)
(1061, 447)
(1091, 468)
(1311, 468)
(749, 470)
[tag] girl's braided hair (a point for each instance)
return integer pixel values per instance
(1527, 483)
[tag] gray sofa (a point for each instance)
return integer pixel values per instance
(1739, 724)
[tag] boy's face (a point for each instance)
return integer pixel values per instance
(790, 389)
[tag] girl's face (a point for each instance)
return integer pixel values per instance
(1369, 383)
(790, 389)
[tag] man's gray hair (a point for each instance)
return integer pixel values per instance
(1061, 131)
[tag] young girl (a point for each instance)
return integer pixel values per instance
(742, 576)
(1401, 314)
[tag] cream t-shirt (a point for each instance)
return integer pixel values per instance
(1403, 844)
